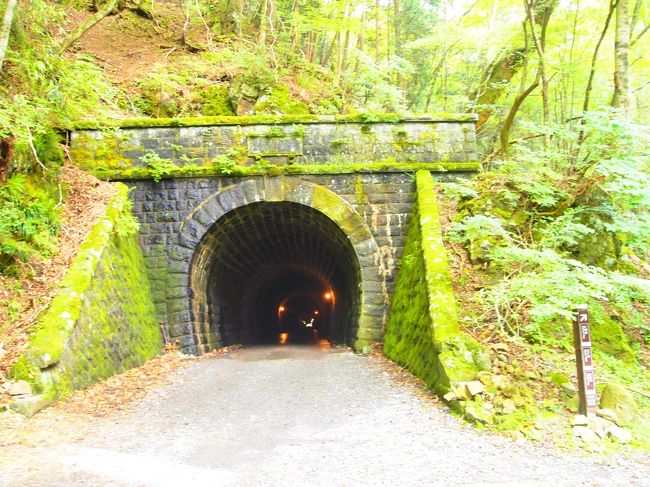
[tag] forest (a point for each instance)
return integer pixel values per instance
(559, 214)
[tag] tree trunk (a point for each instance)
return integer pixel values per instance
(621, 97)
(592, 70)
(328, 51)
(5, 30)
(398, 38)
(540, 45)
(263, 15)
(76, 34)
(496, 77)
(377, 28)
(507, 124)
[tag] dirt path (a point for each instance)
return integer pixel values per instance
(291, 416)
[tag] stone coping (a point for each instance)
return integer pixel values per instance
(361, 118)
(190, 171)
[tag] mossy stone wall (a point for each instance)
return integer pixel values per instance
(423, 333)
(232, 145)
(103, 320)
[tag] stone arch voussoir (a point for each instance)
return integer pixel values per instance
(198, 223)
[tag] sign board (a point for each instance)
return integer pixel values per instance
(584, 361)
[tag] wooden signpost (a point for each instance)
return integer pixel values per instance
(584, 361)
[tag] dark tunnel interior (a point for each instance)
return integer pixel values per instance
(277, 272)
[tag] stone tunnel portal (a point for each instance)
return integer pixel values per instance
(276, 271)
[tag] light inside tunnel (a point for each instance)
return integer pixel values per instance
(270, 271)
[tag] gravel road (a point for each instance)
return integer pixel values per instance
(295, 416)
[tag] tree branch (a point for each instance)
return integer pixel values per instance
(76, 34)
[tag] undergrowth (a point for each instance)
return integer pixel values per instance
(550, 229)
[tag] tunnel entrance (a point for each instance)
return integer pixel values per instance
(276, 272)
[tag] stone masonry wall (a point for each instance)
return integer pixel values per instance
(360, 165)
(102, 320)
(321, 141)
(383, 200)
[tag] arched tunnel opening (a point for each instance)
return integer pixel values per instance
(276, 272)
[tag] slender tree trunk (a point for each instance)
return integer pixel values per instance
(294, 25)
(504, 135)
(240, 20)
(346, 49)
(398, 38)
(592, 69)
(5, 29)
(76, 34)
(263, 15)
(328, 51)
(621, 97)
(377, 30)
(540, 44)
(495, 78)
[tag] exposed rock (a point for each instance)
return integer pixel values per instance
(621, 434)
(485, 378)
(569, 389)
(475, 387)
(500, 347)
(580, 420)
(29, 405)
(500, 381)
(585, 434)
(618, 399)
(20, 388)
(519, 400)
(600, 426)
(508, 406)
(530, 374)
(508, 390)
(476, 413)
(609, 415)
(450, 396)
(461, 392)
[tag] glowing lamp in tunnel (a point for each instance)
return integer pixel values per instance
(316, 312)
(281, 309)
(328, 296)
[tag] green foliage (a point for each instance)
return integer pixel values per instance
(28, 220)
(158, 167)
(43, 91)
(555, 227)
(226, 163)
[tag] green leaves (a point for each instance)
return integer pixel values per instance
(28, 221)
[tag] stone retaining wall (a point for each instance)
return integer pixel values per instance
(423, 332)
(102, 321)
